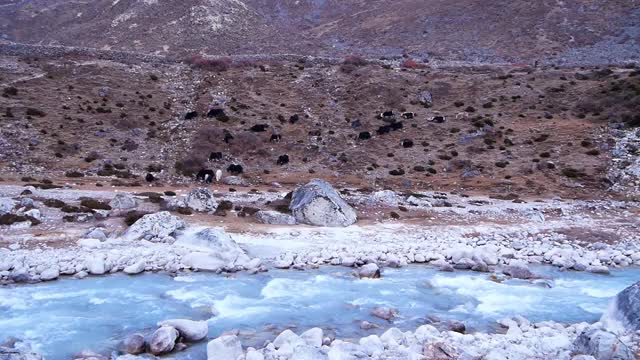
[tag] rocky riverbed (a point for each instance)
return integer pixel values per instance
(74, 232)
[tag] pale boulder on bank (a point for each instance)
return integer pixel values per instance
(317, 203)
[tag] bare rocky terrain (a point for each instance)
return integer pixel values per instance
(508, 131)
(577, 32)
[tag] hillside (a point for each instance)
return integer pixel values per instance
(505, 31)
(498, 130)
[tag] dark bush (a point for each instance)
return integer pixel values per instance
(210, 64)
(10, 219)
(223, 207)
(36, 112)
(572, 173)
(184, 211)
(54, 203)
(132, 216)
(94, 204)
(73, 174)
(10, 91)
(189, 166)
(92, 156)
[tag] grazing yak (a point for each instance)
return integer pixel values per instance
(408, 115)
(191, 115)
(275, 138)
(205, 175)
(364, 135)
(438, 119)
(216, 155)
(283, 160)
(259, 127)
(235, 169)
(219, 114)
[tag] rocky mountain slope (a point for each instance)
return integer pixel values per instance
(505, 131)
(509, 31)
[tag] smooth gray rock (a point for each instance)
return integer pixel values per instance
(190, 330)
(134, 344)
(201, 200)
(601, 344)
(123, 202)
(157, 225)
(425, 98)
(163, 340)
(6, 205)
(519, 272)
(317, 203)
(370, 270)
(275, 218)
(97, 233)
(385, 313)
(234, 181)
(627, 304)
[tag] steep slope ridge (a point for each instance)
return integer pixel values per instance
(496, 30)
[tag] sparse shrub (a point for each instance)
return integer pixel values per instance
(132, 216)
(10, 219)
(355, 60)
(352, 62)
(54, 203)
(190, 165)
(10, 91)
(154, 168)
(35, 112)
(572, 173)
(411, 64)
(184, 211)
(210, 64)
(93, 156)
(94, 204)
(73, 174)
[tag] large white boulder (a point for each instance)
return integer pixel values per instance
(372, 345)
(51, 273)
(317, 203)
(157, 225)
(226, 347)
(135, 268)
(286, 337)
(214, 249)
(313, 337)
(95, 264)
(201, 200)
(190, 330)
